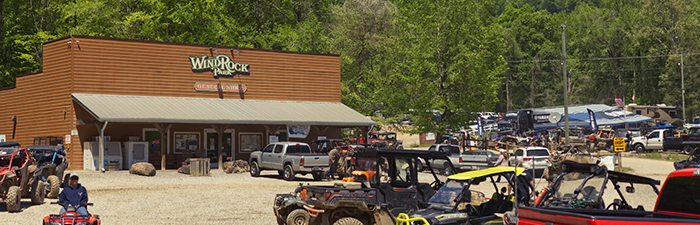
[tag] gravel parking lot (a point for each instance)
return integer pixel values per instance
(173, 198)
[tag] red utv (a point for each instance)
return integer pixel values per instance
(16, 165)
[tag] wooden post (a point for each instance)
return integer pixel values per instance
(220, 129)
(163, 129)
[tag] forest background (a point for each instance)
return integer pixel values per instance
(421, 58)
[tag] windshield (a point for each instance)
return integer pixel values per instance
(569, 195)
(537, 152)
(448, 192)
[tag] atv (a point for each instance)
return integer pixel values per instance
(693, 161)
(16, 177)
(384, 184)
(51, 164)
(458, 203)
(71, 217)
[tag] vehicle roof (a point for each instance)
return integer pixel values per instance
(612, 175)
(9, 144)
(373, 152)
(534, 148)
(687, 172)
(327, 140)
(485, 172)
(290, 143)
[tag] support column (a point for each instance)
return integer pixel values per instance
(164, 129)
(220, 129)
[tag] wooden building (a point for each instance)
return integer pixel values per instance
(201, 97)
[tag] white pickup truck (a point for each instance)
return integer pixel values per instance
(652, 141)
(289, 159)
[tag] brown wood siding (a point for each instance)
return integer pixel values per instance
(41, 102)
(106, 66)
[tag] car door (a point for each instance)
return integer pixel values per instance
(654, 140)
(266, 155)
(448, 151)
(435, 163)
(277, 156)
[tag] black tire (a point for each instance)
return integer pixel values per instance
(448, 169)
(280, 172)
(59, 173)
(687, 149)
(419, 166)
(13, 199)
(54, 187)
(348, 221)
(65, 181)
(37, 193)
(254, 169)
(639, 148)
(281, 221)
(317, 176)
(298, 217)
(288, 173)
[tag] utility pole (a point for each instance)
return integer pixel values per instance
(563, 71)
(682, 89)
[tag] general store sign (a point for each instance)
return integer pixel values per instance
(237, 88)
(220, 65)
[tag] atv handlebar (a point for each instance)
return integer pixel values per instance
(61, 204)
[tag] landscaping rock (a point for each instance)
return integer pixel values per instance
(239, 166)
(143, 168)
(184, 169)
(228, 166)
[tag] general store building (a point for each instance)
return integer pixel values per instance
(187, 99)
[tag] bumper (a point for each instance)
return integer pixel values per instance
(311, 169)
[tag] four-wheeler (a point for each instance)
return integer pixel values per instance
(457, 202)
(385, 140)
(71, 217)
(386, 184)
(16, 178)
(692, 161)
(50, 166)
(578, 196)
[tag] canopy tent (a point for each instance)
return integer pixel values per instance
(578, 116)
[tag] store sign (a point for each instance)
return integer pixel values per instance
(236, 88)
(220, 65)
(298, 131)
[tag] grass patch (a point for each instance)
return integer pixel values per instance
(673, 157)
(624, 169)
(414, 145)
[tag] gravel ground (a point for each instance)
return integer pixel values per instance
(173, 198)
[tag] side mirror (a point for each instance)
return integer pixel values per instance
(629, 189)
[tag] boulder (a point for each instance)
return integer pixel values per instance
(228, 166)
(239, 166)
(143, 168)
(184, 169)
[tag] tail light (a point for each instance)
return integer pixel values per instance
(328, 195)
(301, 161)
(460, 159)
(524, 159)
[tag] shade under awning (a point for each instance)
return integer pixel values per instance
(152, 109)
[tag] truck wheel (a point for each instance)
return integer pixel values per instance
(298, 217)
(448, 170)
(13, 199)
(37, 193)
(54, 186)
(280, 172)
(317, 176)
(254, 169)
(348, 221)
(639, 148)
(687, 149)
(288, 173)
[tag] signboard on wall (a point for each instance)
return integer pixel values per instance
(235, 88)
(66, 140)
(221, 66)
(298, 131)
(273, 139)
(2, 138)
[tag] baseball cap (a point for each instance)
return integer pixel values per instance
(74, 174)
(502, 150)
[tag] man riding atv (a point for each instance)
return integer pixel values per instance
(461, 200)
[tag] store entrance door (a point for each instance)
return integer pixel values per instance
(211, 142)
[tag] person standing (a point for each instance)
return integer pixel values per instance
(502, 161)
(74, 195)
(334, 154)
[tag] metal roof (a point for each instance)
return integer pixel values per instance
(154, 109)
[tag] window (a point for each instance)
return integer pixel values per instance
(152, 136)
(654, 134)
(278, 148)
(537, 152)
(519, 152)
(432, 149)
(250, 141)
(673, 114)
(297, 149)
(639, 112)
(186, 141)
(680, 194)
(268, 148)
(455, 150)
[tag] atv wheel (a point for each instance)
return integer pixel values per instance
(687, 149)
(317, 176)
(639, 148)
(53, 187)
(254, 169)
(298, 217)
(13, 199)
(37, 193)
(288, 173)
(348, 221)
(281, 222)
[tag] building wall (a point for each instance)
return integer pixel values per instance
(126, 67)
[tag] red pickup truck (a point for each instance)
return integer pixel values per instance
(576, 197)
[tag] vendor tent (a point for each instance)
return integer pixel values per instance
(578, 116)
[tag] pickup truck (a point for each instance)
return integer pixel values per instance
(663, 139)
(462, 161)
(576, 197)
(289, 159)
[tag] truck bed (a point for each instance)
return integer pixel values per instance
(533, 215)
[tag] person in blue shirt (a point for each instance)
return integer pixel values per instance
(74, 195)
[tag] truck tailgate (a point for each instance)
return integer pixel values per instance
(313, 160)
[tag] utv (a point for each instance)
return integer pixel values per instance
(385, 183)
(51, 164)
(16, 178)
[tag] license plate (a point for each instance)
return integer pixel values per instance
(317, 169)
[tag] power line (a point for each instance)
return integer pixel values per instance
(602, 59)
